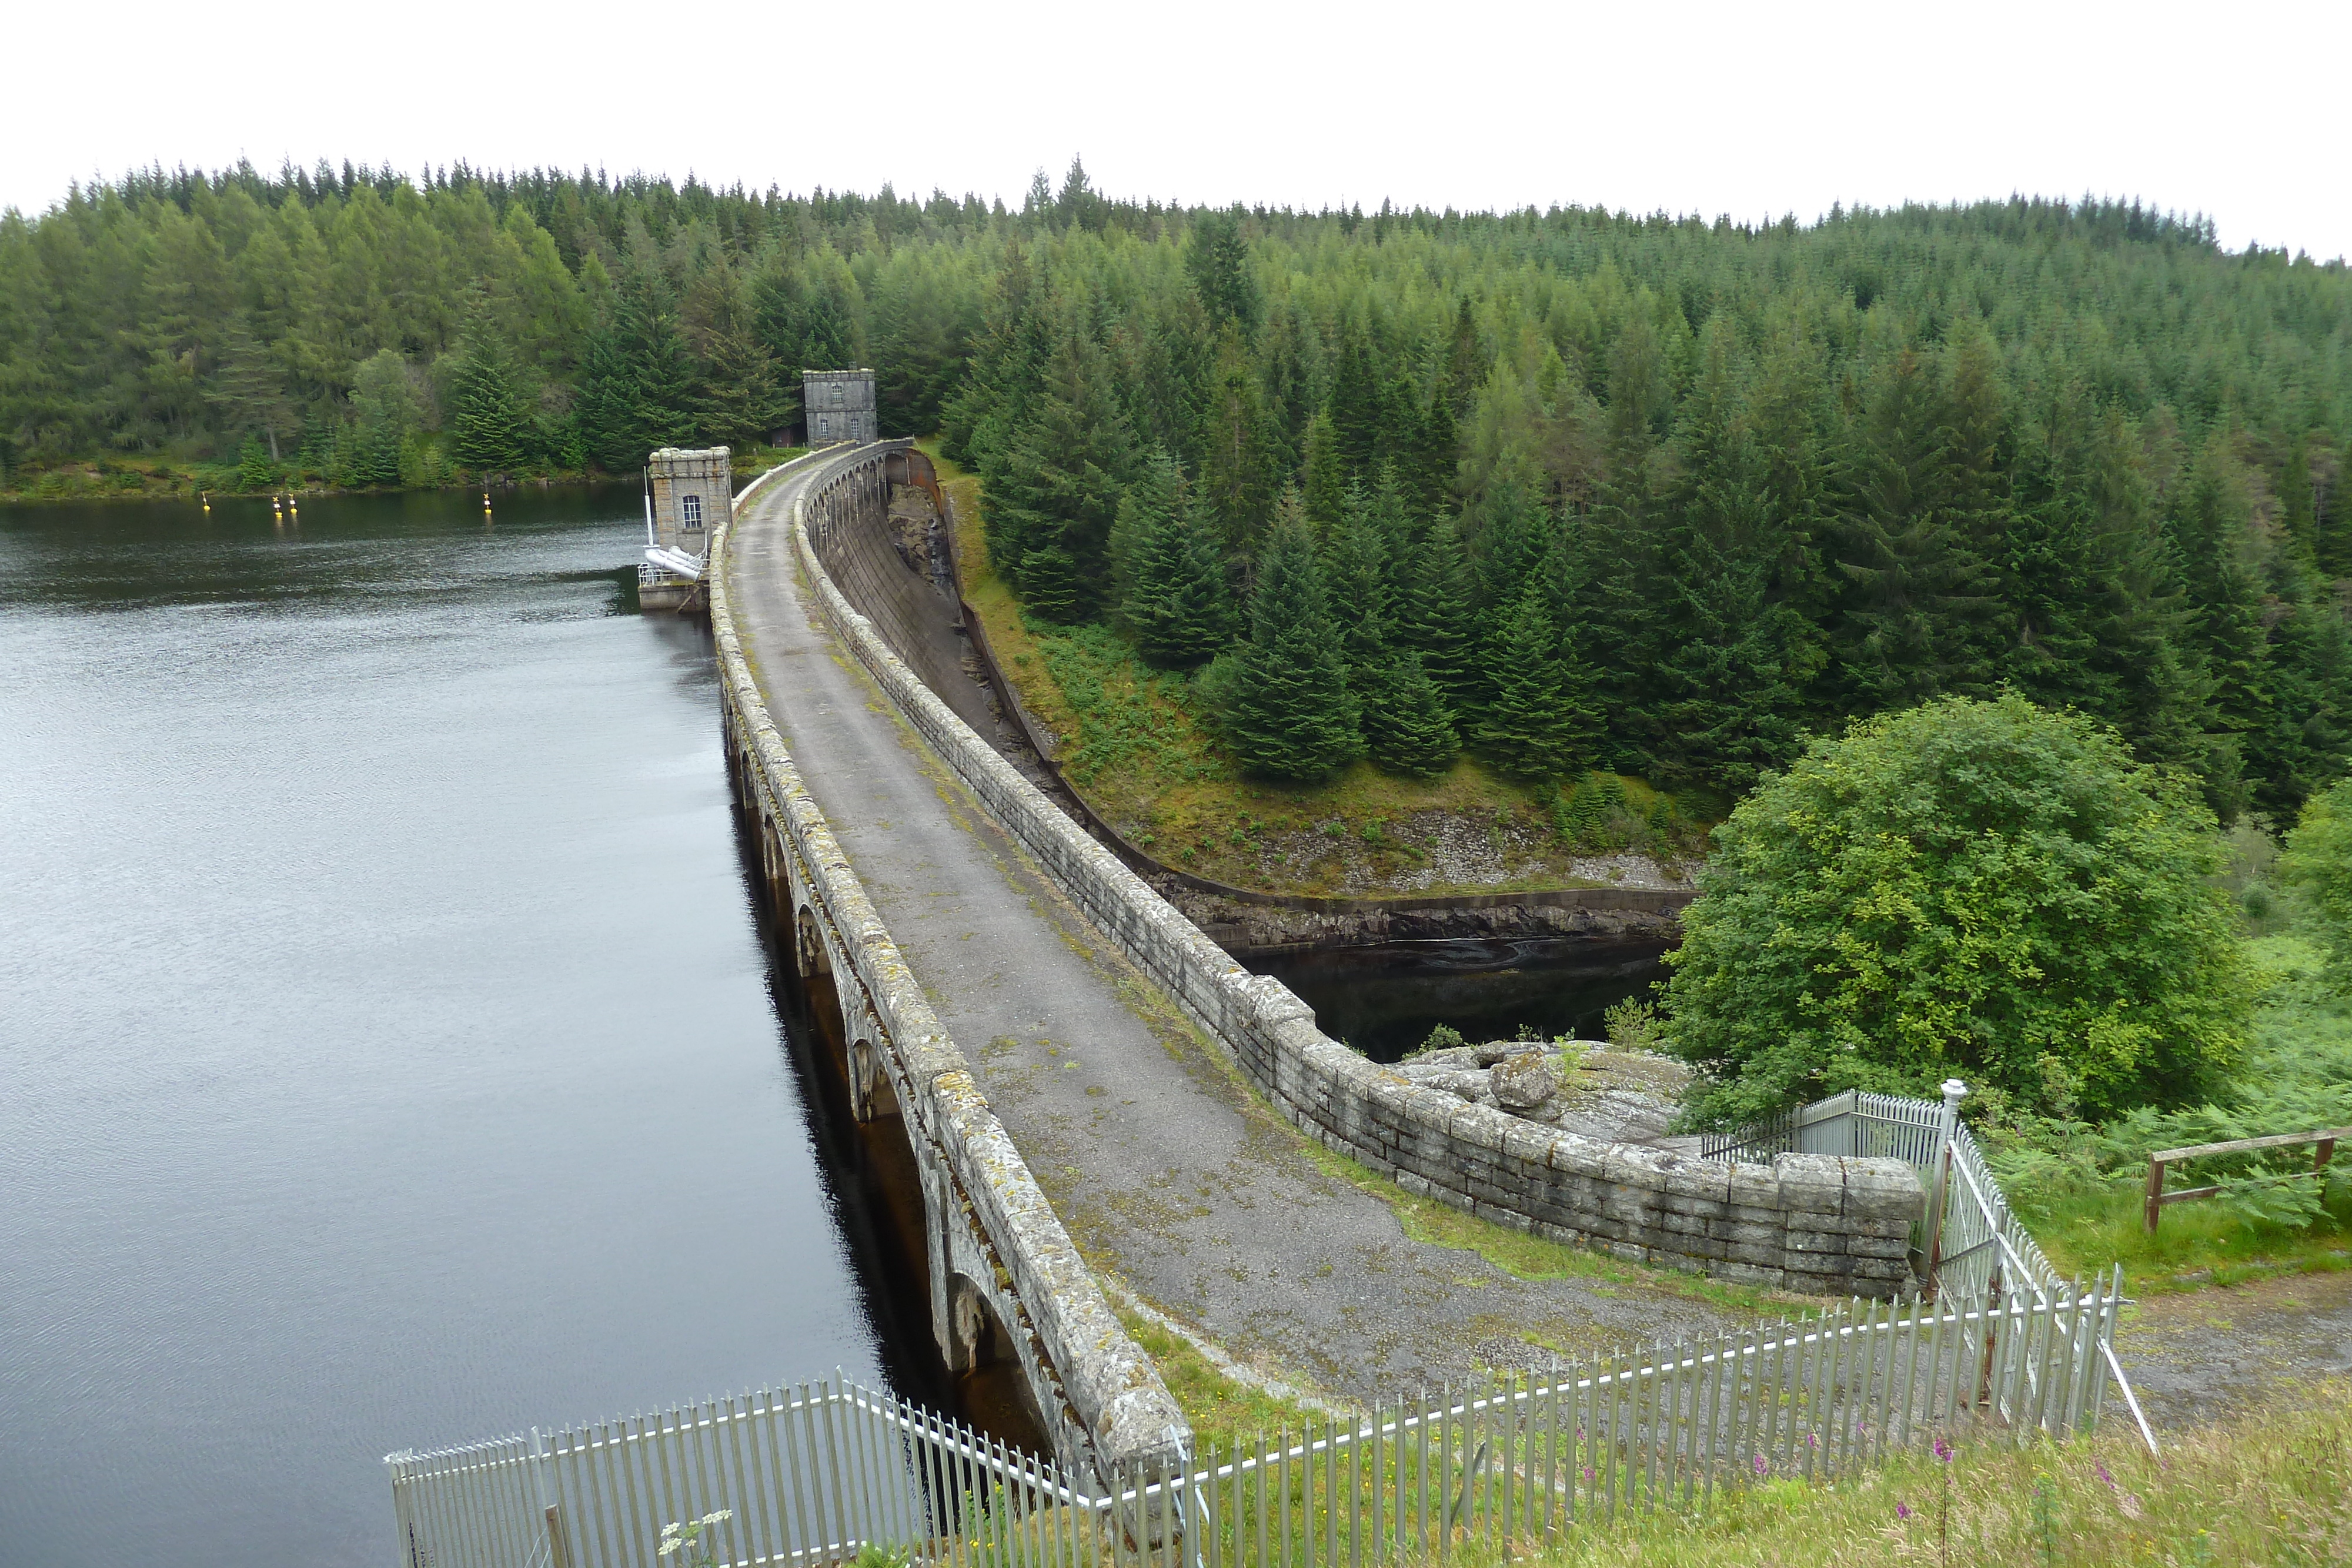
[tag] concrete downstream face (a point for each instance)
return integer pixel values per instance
(1120, 1048)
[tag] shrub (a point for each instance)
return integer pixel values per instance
(2318, 866)
(1979, 888)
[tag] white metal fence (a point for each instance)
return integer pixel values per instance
(1970, 1238)
(816, 1474)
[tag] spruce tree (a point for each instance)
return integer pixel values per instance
(1053, 488)
(2298, 503)
(1435, 456)
(255, 471)
(606, 403)
(1286, 707)
(1188, 614)
(1725, 657)
(487, 417)
(1358, 409)
(1240, 452)
(661, 374)
(1541, 717)
(734, 395)
(1050, 587)
(1915, 589)
(1323, 480)
(1435, 617)
(1216, 256)
(1407, 725)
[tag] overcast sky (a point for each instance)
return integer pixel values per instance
(2242, 111)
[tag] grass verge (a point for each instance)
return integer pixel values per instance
(2275, 1487)
(2196, 1245)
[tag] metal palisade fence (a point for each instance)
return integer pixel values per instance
(821, 1472)
(1969, 1237)
(818, 1473)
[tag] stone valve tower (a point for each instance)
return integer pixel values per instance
(689, 496)
(839, 406)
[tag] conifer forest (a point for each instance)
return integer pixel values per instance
(1566, 489)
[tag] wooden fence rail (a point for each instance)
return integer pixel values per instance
(2158, 1198)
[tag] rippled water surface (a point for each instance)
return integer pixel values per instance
(388, 1052)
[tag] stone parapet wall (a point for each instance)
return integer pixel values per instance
(1817, 1224)
(1079, 1358)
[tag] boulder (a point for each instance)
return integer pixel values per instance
(1525, 1080)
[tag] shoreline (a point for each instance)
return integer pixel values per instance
(163, 479)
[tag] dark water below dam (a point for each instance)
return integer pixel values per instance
(1384, 999)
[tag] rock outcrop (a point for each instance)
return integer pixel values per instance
(1579, 1086)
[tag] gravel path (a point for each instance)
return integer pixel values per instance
(2203, 1355)
(1165, 1167)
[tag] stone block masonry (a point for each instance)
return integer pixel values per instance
(838, 405)
(1820, 1225)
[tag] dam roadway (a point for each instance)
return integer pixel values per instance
(1175, 1178)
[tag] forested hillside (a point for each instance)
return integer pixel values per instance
(1571, 489)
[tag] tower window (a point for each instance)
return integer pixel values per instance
(691, 509)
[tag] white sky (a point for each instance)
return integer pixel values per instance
(2238, 110)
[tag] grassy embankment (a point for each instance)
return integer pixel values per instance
(1136, 742)
(2273, 1487)
(156, 477)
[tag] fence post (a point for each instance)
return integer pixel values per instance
(1954, 1092)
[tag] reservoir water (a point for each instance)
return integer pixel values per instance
(389, 1054)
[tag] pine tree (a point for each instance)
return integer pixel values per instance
(2298, 503)
(1284, 702)
(255, 471)
(1407, 725)
(734, 396)
(1181, 609)
(1324, 483)
(607, 402)
(1053, 489)
(1541, 717)
(1435, 618)
(487, 417)
(1217, 257)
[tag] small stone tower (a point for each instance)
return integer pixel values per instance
(694, 493)
(839, 406)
